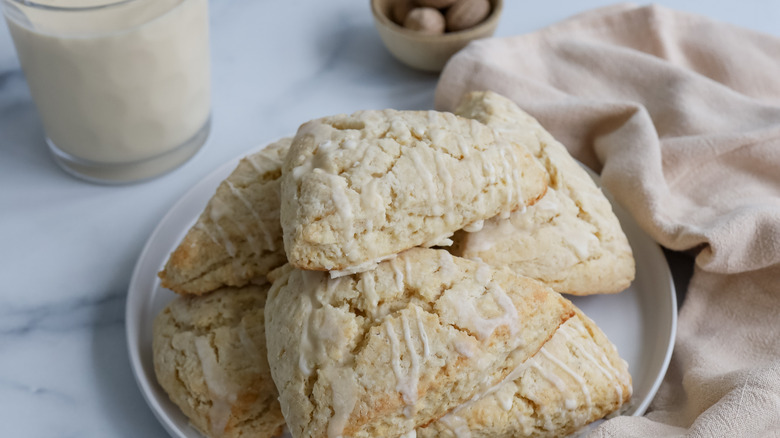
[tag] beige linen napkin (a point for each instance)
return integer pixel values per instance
(681, 114)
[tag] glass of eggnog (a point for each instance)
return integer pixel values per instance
(122, 87)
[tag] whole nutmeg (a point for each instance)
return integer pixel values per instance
(466, 13)
(400, 9)
(425, 20)
(438, 4)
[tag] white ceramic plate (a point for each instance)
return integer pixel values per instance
(641, 321)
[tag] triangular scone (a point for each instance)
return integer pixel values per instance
(570, 240)
(238, 236)
(576, 378)
(359, 188)
(210, 357)
(382, 352)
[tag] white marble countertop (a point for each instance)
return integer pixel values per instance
(68, 247)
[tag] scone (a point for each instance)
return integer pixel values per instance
(570, 240)
(382, 352)
(360, 188)
(238, 236)
(210, 357)
(577, 377)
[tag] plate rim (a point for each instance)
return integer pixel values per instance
(672, 296)
(133, 309)
(132, 324)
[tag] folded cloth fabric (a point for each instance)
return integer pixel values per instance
(681, 114)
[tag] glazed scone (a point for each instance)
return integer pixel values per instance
(210, 357)
(382, 352)
(576, 378)
(238, 237)
(571, 240)
(359, 188)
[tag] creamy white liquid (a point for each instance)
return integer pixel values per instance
(117, 84)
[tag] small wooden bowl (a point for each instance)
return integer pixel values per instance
(428, 52)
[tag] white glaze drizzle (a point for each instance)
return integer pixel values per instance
(505, 396)
(556, 381)
(269, 240)
(484, 327)
(493, 232)
(250, 347)
(423, 334)
(199, 225)
(516, 176)
(331, 285)
(464, 349)
(340, 200)
(344, 397)
(369, 291)
(304, 168)
(362, 267)
(491, 172)
(342, 382)
(406, 385)
(219, 210)
(474, 226)
(465, 148)
(577, 378)
(320, 159)
(410, 434)
(254, 164)
(509, 186)
(413, 378)
(513, 375)
(223, 394)
(398, 275)
(477, 178)
(443, 240)
(306, 343)
(446, 178)
(371, 200)
(428, 181)
(310, 345)
(605, 366)
(447, 263)
(622, 377)
(611, 377)
(499, 391)
(251, 239)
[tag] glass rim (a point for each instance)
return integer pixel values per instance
(36, 5)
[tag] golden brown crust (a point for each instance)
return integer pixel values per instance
(359, 188)
(211, 360)
(576, 378)
(570, 239)
(238, 237)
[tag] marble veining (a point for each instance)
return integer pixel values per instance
(67, 248)
(61, 316)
